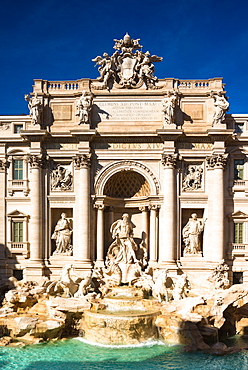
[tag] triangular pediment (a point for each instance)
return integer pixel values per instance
(16, 213)
(238, 214)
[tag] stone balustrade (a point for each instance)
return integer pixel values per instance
(44, 86)
(239, 249)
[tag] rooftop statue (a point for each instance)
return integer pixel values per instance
(127, 67)
(35, 108)
(221, 106)
(84, 105)
(169, 105)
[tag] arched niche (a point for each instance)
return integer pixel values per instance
(126, 179)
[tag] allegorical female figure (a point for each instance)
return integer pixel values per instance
(62, 235)
(191, 235)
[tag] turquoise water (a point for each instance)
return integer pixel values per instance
(74, 354)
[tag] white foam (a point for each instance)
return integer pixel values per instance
(150, 343)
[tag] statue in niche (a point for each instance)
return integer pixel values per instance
(169, 105)
(84, 105)
(221, 106)
(35, 108)
(122, 232)
(62, 236)
(193, 178)
(61, 178)
(191, 235)
(122, 252)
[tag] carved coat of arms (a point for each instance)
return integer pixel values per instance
(128, 66)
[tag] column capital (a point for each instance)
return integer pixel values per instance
(100, 207)
(216, 161)
(36, 161)
(3, 165)
(82, 161)
(143, 209)
(154, 207)
(169, 160)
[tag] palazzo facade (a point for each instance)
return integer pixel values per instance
(164, 151)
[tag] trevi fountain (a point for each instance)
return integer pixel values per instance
(117, 247)
(125, 313)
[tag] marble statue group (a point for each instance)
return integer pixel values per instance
(128, 66)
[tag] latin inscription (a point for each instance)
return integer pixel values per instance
(127, 111)
(133, 146)
(204, 146)
(137, 146)
(62, 112)
(195, 111)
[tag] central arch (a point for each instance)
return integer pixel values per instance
(126, 179)
(127, 184)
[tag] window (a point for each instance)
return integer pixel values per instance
(237, 277)
(239, 128)
(17, 129)
(18, 274)
(238, 169)
(238, 232)
(17, 231)
(18, 169)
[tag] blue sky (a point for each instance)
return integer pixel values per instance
(56, 40)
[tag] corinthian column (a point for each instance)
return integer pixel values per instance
(3, 166)
(36, 163)
(145, 225)
(81, 247)
(216, 163)
(100, 235)
(167, 251)
(153, 237)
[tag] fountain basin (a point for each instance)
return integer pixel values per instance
(119, 326)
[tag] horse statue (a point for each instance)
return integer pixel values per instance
(65, 286)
